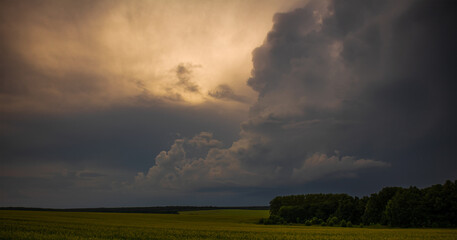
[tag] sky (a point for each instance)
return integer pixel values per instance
(223, 103)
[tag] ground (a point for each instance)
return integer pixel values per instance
(212, 224)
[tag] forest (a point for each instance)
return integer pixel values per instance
(434, 206)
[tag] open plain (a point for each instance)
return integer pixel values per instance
(211, 224)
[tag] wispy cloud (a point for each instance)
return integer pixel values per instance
(225, 92)
(184, 75)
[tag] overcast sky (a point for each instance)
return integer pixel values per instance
(144, 103)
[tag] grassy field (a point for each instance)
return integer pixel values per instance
(212, 224)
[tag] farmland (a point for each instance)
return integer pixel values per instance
(212, 224)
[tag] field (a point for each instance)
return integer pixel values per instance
(212, 224)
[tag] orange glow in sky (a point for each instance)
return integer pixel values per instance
(116, 51)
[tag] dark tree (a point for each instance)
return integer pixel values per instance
(435, 206)
(406, 209)
(376, 205)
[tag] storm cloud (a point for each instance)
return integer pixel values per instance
(343, 96)
(342, 86)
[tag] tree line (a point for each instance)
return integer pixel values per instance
(163, 209)
(434, 206)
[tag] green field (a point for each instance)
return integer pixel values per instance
(211, 224)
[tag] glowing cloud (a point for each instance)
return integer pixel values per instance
(106, 53)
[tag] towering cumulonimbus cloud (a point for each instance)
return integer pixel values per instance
(342, 86)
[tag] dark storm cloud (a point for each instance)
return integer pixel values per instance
(376, 83)
(352, 96)
(92, 152)
(112, 136)
(343, 87)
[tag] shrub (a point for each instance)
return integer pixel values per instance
(308, 223)
(275, 219)
(343, 223)
(331, 221)
(291, 213)
(316, 221)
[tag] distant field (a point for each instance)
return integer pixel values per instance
(212, 224)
